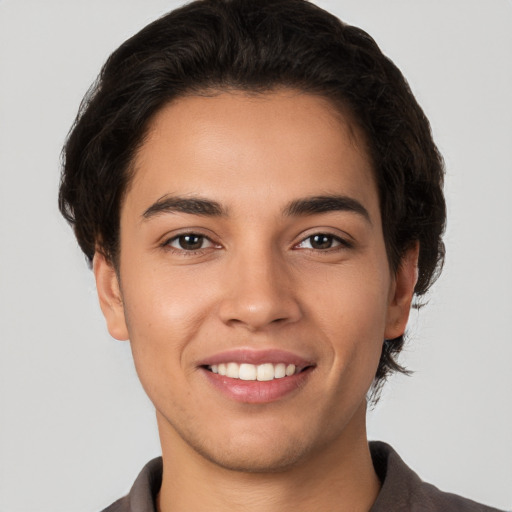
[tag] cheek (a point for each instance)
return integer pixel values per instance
(352, 315)
(164, 311)
(354, 297)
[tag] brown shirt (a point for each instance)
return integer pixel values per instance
(402, 490)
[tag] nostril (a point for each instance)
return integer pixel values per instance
(256, 311)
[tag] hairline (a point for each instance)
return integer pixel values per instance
(340, 110)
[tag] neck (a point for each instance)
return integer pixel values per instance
(338, 478)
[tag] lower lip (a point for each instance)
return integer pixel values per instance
(257, 392)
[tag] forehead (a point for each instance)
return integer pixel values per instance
(238, 147)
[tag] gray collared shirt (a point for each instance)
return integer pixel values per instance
(402, 490)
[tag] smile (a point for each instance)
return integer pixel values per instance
(256, 376)
(261, 372)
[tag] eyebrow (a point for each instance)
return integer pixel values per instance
(324, 204)
(191, 205)
(298, 207)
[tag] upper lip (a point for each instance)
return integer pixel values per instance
(256, 357)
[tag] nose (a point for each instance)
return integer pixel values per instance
(260, 292)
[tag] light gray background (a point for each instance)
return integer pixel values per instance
(75, 427)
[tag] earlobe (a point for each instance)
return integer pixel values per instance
(402, 293)
(109, 295)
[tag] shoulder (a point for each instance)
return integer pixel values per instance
(121, 505)
(142, 495)
(403, 491)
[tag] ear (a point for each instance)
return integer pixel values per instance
(109, 294)
(401, 293)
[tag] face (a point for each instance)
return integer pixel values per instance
(253, 279)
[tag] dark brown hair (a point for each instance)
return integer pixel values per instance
(257, 46)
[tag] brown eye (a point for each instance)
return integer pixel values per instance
(322, 241)
(190, 242)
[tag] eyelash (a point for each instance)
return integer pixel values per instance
(341, 243)
(187, 252)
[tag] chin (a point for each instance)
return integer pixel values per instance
(265, 448)
(257, 459)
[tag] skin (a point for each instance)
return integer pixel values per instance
(257, 281)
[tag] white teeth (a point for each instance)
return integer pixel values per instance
(232, 370)
(280, 371)
(290, 370)
(265, 372)
(247, 372)
(261, 372)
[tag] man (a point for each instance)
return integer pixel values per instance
(261, 199)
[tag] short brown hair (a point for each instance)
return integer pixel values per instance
(257, 46)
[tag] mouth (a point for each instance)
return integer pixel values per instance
(251, 372)
(257, 377)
